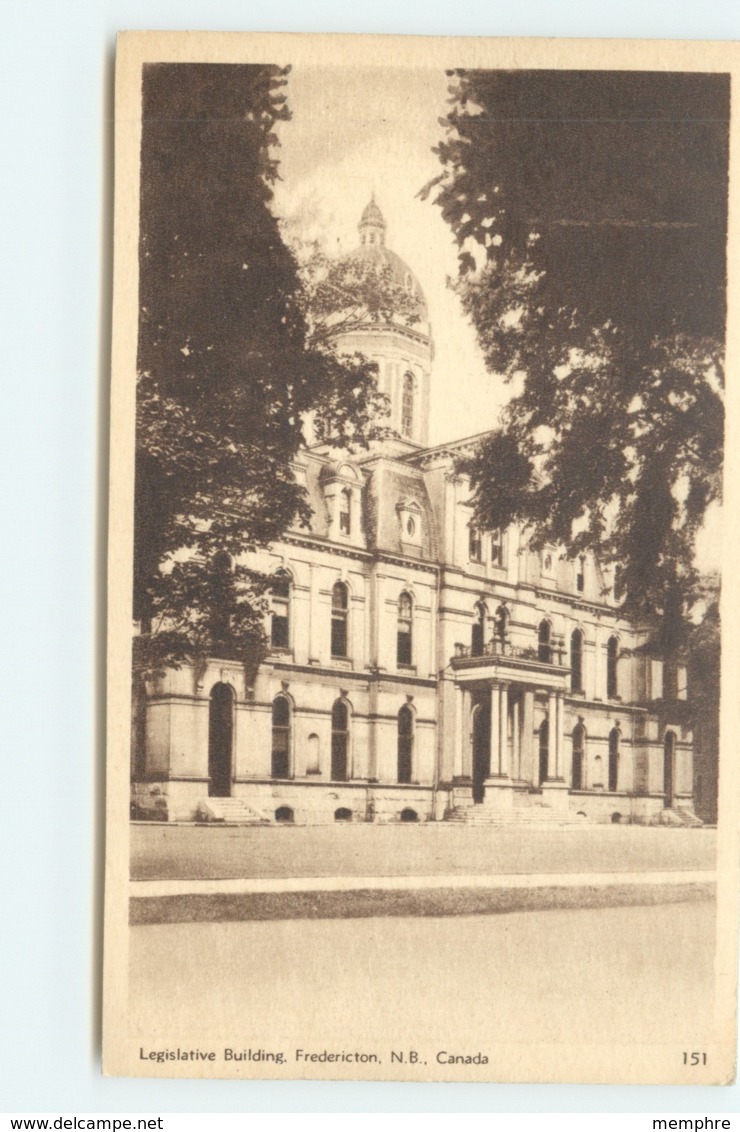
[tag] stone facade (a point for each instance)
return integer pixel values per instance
(418, 669)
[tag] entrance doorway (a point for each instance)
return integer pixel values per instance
(669, 762)
(220, 740)
(481, 749)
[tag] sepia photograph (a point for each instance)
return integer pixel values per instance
(415, 768)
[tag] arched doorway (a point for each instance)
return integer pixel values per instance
(220, 740)
(481, 739)
(669, 763)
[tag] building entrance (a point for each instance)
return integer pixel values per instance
(220, 740)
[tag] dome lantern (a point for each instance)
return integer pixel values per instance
(372, 224)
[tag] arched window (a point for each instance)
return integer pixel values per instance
(613, 759)
(497, 548)
(544, 642)
(405, 743)
(502, 626)
(478, 640)
(280, 624)
(407, 405)
(339, 741)
(475, 545)
(339, 612)
(345, 514)
(280, 737)
(544, 749)
(576, 661)
(581, 574)
(404, 635)
(579, 743)
(612, 652)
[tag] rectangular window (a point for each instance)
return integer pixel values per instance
(403, 645)
(280, 621)
(338, 635)
(475, 546)
(279, 636)
(497, 555)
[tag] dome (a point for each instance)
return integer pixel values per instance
(372, 229)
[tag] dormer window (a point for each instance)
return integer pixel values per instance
(342, 489)
(410, 524)
(345, 521)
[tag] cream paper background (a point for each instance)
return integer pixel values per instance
(57, 205)
(564, 1059)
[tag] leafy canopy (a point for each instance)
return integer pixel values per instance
(590, 212)
(229, 363)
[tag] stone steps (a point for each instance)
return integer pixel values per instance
(679, 816)
(539, 815)
(230, 811)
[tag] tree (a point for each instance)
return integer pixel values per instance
(227, 372)
(590, 212)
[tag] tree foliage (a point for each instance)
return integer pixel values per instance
(227, 367)
(590, 212)
(349, 293)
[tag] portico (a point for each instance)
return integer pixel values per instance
(497, 697)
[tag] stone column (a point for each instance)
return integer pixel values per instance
(457, 763)
(503, 720)
(516, 739)
(560, 737)
(527, 767)
(314, 615)
(495, 729)
(552, 735)
(467, 750)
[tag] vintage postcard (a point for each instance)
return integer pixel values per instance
(419, 506)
